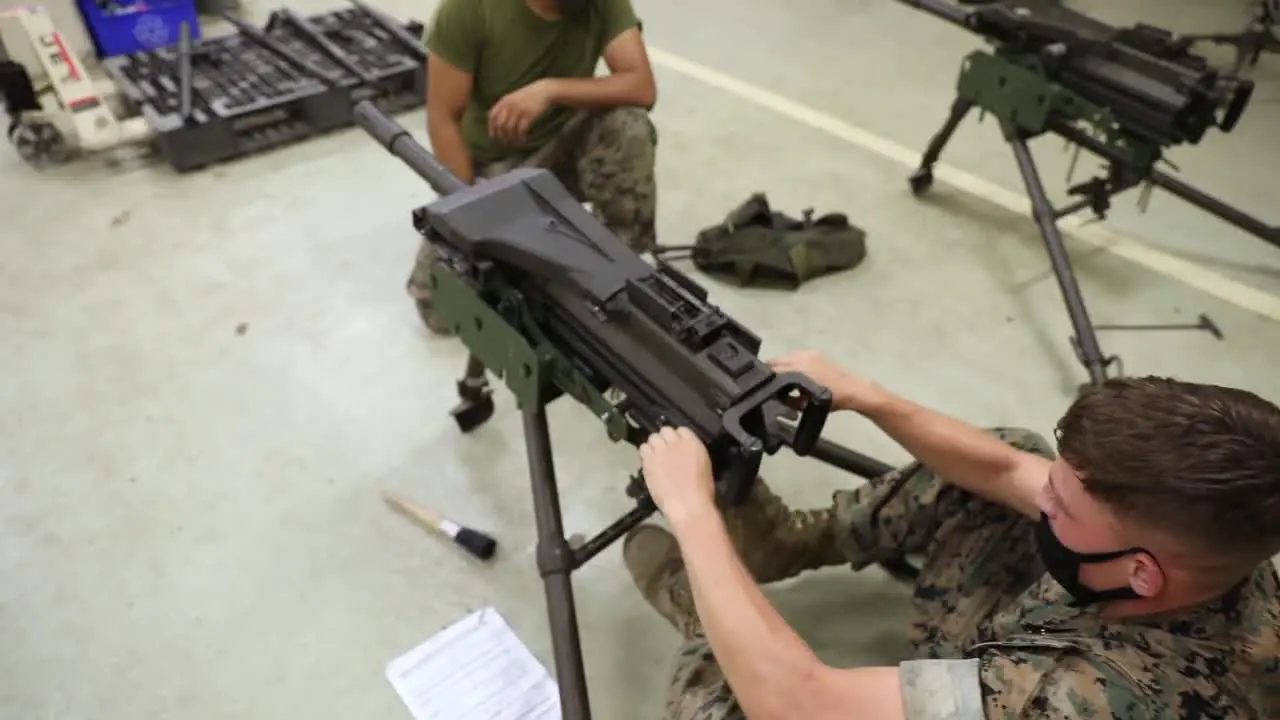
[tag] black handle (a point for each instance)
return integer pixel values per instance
(1239, 101)
(812, 419)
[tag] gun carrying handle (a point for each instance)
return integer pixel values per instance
(812, 420)
(1239, 101)
(813, 417)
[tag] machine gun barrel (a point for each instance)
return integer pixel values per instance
(397, 141)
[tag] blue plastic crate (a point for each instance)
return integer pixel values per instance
(129, 26)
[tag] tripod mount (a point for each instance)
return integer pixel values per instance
(1124, 95)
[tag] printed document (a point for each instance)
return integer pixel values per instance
(475, 669)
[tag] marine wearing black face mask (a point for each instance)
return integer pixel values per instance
(1063, 565)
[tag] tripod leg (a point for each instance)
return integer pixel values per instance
(922, 178)
(1085, 341)
(475, 397)
(555, 564)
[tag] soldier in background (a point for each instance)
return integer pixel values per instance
(1130, 576)
(513, 82)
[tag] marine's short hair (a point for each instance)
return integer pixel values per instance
(1195, 462)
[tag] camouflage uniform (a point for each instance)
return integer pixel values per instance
(993, 635)
(605, 159)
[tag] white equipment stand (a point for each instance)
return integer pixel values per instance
(83, 121)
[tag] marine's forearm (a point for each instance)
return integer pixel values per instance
(964, 455)
(763, 658)
(448, 145)
(631, 89)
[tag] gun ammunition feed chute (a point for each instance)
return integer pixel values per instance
(553, 303)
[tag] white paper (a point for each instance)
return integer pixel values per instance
(475, 669)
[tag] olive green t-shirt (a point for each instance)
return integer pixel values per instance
(504, 45)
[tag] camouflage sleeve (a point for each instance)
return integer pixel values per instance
(1046, 684)
(941, 689)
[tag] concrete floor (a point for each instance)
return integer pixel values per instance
(211, 377)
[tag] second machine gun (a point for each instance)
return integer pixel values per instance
(549, 300)
(1261, 34)
(1123, 94)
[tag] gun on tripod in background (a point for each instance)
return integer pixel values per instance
(1123, 94)
(1261, 34)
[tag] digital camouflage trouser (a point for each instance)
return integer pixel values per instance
(909, 511)
(605, 159)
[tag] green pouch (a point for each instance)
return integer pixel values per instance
(757, 246)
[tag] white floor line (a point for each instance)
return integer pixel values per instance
(1188, 273)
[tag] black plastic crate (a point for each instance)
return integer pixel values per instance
(255, 90)
(361, 51)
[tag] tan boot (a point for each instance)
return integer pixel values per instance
(778, 543)
(652, 556)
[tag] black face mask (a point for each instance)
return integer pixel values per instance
(1063, 565)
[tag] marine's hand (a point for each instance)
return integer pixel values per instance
(677, 472)
(510, 118)
(849, 391)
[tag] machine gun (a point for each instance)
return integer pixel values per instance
(548, 299)
(1123, 94)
